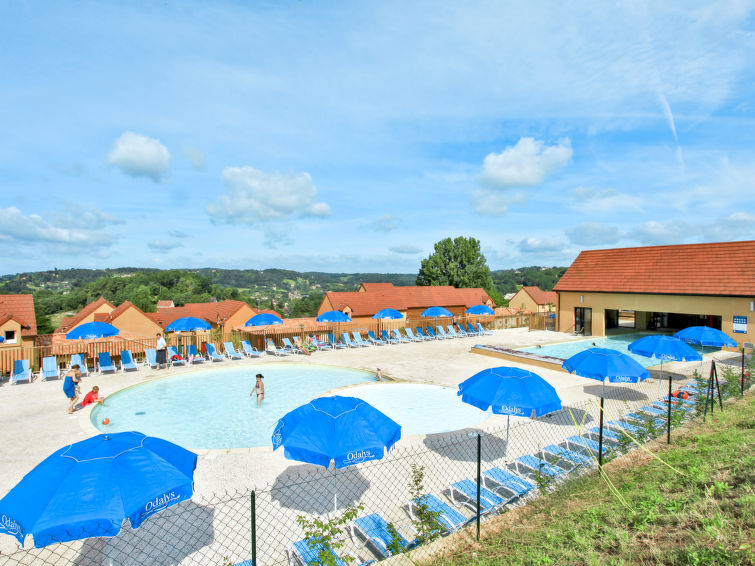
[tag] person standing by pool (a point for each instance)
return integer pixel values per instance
(70, 386)
(379, 374)
(259, 389)
(161, 349)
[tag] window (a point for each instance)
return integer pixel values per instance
(10, 336)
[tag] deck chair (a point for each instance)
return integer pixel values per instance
(588, 447)
(421, 334)
(374, 339)
(150, 357)
(565, 458)
(461, 331)
(529, 465)
(273, 349)
(451, 331)
(481, 330)
(105, 364)
(20, 372)
(652, 411)
(82, 361)
(358, 339)
(49, 369)
(300, 554)
(410, 334)
(231, 352)
(127, 361)
(512, 485)
(373, 530)
(289, 347)
(212, 353)
(346, 339)
(249, 350)
(619, 426)
(173, 352)
(194, 357)
(448, 518)
(335, 343)
(641, 419)
(471, 330)
(608, 435)
(397, 336)
(464, 492)
(442, 333)
(320, 345)
(387, 338)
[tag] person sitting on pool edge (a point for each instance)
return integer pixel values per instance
(259, 389)
(90, 398)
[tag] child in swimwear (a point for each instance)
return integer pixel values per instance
(259, 389)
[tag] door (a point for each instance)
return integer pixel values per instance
(583, 321)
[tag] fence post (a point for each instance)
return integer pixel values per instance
(254, 528)
(742, 385)
(479, 479)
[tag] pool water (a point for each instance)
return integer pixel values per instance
(565, 350)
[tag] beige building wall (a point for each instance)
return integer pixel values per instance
(131, 321)
(725, 307)
(523, 301)
(14, 326)
(104, 309)
(240, 317)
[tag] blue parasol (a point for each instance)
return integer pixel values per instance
(480, 309)
(89, 488)
(92, 330)
(391, 314)
(263, 319)
(437, 312)
(188, 324)
(705, 336)
(333, 316)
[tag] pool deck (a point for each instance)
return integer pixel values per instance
(35, 422)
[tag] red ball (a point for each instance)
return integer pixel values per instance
(106, 421)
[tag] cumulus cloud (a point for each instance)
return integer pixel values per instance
(254, 196)
(489, 203)
(386, 223)
(739, 225)
(590, 200)
(594, 234)
(34, 230)
(93, 218)
(525, 164)
(540, 245)
(139, 156)
(405, 249)
(158, 246)
(195, 156)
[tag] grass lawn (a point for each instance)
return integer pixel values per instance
(690, 503)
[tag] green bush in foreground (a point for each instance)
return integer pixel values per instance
(691, 503)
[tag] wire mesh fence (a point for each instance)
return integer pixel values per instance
(513, 463)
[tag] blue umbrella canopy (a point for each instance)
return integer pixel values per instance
(480, 309)
(705, 336)
(188, 324)
(436, 312)
(88, 488)
(92, 330)
(663, 348)
(333, 316)
(263, 319)
(510, 391)
(345, 430)
(391, 314)
(603, 363)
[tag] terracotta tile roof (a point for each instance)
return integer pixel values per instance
(508, 311)
(367, 303)
(101, 317)
(724, 268)
(21, 309)
(372, 287)
(123, 307)
(71, 321)
(541, 297)
(211, 312)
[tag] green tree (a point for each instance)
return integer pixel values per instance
(458, 262)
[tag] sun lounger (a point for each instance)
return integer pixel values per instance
(150, 357)
(335, 343)
(451, 331)
(174, 358)
(387, 338)
(421, 334)
(81, 360)
(212, 353)
(565, 458)
(608, 435)
(127, 361)
(464, 492)
(373, 530)
(321, 345)
(397, 336)
(619, 426)
(194, 357)
(249, 350)
(230, 351)
(374, 339)
(105, 364)
(500, 480)
(644, 419)
(688, 408)
(432, 334)
(289, 347)
(587, 446)
(448, 518)
(300, 554)
(652, 411)
(460, 330)
(358, 339)
(529, 465)
(346, 339)
(412, 337)
(442, 333)
(272, 348)
(49, 369)
(481, 330)
(20, 372)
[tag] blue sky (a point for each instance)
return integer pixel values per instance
(352, 136)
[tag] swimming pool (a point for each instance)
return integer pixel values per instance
(618, 342)
(212, 409)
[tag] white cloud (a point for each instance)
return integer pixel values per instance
(195, 156)
(33, 229)
(177, 234)
(525, 164)
(386, 223)
(92, 219)
(405, 249)
(593, 201)
(278, 236)
(254, 196)
(489, 203)
(659, 233)
(594, 234)
(139, 156)
(540, 245)
(159, 246)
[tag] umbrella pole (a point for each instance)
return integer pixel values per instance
(600, 436)
(506, 448)
(668, 420)
(335, 488)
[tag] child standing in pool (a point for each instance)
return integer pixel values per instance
(259, 389)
